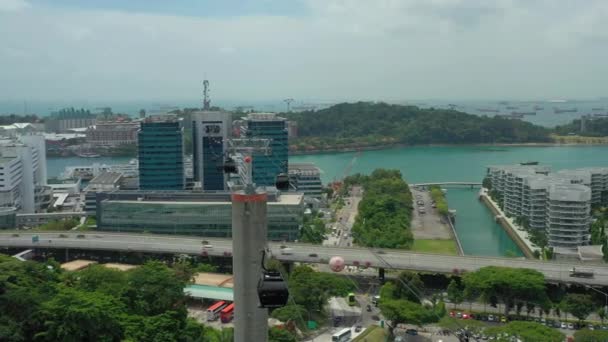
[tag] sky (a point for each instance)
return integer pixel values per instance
(334, 50)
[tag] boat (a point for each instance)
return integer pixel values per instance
(523, 113)
(88, 155)
(511, 107)
(559, 111)
(538, 108)
(597, 109)
(529, 163)
(488, 110)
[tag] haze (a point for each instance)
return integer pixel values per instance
(320, 49)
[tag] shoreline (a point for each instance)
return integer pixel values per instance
(395, 146)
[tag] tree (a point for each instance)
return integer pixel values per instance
(579, 305)
(312, 289)
(455, 292)
(586, 335)
(102, 279)
(602, 313)
(184, 271)
(401, 311)
(408, 286)
(291, 312)
(74, 315)
(153, 289)
(280, 335)
(487, 183)
(527, 331)
(507, 285)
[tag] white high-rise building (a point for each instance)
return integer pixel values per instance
(23, 173)
(558, 203)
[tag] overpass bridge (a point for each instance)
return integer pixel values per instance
(558, 272)
(469, 184)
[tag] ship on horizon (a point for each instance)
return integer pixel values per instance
(559, 110)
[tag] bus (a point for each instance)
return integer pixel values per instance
(214, 310)
(227, 313)
(351, 299)
(343, 335)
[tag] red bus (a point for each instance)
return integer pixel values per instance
(214, 310)
(227, 313)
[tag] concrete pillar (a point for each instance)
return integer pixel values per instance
(249, 234)
(288, 266)
(381, 274)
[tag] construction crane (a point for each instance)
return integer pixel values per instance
(337, 184)
(288, 102)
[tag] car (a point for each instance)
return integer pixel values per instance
(503, 319)
(15, 235)
(380, 252)
(286, 251)
(563, 325)
(465, 315)
(570, 326)
(63, 236)
(358, 328)
(207, 246)
(491, 318)
(313, 255)
(80, 236)
(604, 327)
(412, 332)
(205, 242)
(459, 314)
(590, 327)
(452, 314)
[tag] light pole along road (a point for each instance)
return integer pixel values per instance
(297, 252)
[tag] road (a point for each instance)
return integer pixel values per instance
(396, 259)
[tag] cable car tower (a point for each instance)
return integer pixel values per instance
(255, 288)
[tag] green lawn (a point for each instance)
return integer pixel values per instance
(435, 246)
(372, 334)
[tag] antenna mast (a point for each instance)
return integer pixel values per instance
(206, 100)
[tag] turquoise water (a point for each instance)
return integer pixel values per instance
(478, 232)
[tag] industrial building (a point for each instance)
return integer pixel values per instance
(23, 184)
(160, 153)
(559, 202)
(266, 166)
(112, 134)
(192, 213)
(210, 132)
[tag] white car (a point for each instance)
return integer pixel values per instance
(287, 251)
(564, 325)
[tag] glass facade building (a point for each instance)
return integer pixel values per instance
(200, 215)
(267, 166)
(209, 138)
(161, 154)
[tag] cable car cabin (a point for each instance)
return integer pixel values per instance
(272, 290)
(282, 182)
(229, 166)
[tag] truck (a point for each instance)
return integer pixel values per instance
(578, 272)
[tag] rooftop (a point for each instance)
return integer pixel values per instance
(263, 117)
(106, 178)
(569, 193)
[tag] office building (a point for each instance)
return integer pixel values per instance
(266, 167)
(210, 132)
(306, 178)
(23, 182)
(112, 134)
(160, 153)
(192, 213)
(105, 182)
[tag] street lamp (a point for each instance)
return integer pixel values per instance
(605, 295)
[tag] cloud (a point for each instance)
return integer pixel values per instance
(13, 5)
(384, 49)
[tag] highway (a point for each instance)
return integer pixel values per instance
(401, 260)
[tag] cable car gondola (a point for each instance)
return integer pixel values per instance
(229, 166)
(272, 290)
(282, 182)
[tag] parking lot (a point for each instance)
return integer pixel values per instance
(426, 221)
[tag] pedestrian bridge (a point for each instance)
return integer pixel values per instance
(556, 272)
(469, 184)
